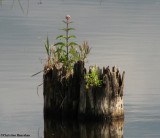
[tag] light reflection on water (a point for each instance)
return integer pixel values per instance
(121, 32)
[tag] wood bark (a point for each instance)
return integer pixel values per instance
(66, 96)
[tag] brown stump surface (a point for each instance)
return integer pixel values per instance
(66, 96)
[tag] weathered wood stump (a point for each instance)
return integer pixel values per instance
(66, 96)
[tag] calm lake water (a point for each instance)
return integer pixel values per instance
(125, 33)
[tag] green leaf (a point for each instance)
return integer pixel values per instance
(58, 50)
(66, 21)
(71, 36)
(64, 57)
(79, 57)
(47, 46)
(61, 37)
(73, 43)
(47, 42)
(60, 43)
(46, 49)
(64, 51)
(64, 44)
(64, 29)
(71, 29)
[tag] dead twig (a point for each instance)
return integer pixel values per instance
(37, 73)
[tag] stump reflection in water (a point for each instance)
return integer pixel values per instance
(75, 129)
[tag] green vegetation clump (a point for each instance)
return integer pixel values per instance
(65, 54)
(92, 78)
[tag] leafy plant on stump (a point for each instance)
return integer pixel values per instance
(48, 51)
(92, 78)
(63, 53)
(66, 54)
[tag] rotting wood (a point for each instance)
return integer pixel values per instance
(66, 96)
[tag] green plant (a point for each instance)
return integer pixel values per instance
(92, 78)
(64, 53)
(48, 51)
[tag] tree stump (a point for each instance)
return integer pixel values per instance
(66, 96)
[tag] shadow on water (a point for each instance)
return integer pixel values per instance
(75, 129)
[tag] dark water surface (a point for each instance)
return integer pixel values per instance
(125, 33)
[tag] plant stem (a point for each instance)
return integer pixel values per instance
(67, 38)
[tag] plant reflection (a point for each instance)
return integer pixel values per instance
(75, 129)
(21, 7)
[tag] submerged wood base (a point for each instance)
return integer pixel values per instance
(66, 96)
